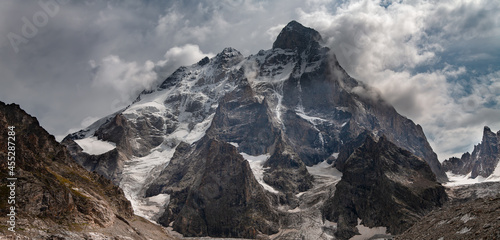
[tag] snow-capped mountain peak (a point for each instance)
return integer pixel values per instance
(290, 107)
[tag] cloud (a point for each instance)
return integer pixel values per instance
(51, 78)
(179, 56)
(274, 31)
(364, 32)
(128, 79)
(400, 49)
(435, 61)
(215, 25)
(367, 92)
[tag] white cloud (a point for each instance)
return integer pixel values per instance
(179, 56)
(385, 45)
(274, 31)
(128, 79)
(125, 78)
(367, 37)
(181, 26)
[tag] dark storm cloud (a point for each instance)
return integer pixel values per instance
(92, 57)
(67, 71)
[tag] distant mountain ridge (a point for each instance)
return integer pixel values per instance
(484, 158)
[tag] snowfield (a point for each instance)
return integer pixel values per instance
(94, 146)
(370, 233)
(457, 180)
(137, 172)
(257, 166)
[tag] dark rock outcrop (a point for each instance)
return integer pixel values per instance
(213, 193)
(383, 185)
(286, 171)
(483, 160)
(457, 165)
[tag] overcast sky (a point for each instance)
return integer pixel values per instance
(70, 62)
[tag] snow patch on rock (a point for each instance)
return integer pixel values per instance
(137, 173)
(94, 146)
(325, 170)
(257, 166)
(464, 230)
(370, 233)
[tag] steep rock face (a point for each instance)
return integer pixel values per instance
(287, 172)
(348, 148)
(383, 185)
(244, 120)
(52, 189)
(483, 160)
(213, 192)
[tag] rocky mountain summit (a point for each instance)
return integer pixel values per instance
(55, 197)
(237, 146)
(483, 161)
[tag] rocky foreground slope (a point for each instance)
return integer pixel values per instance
(472, 213)
(56, 198)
